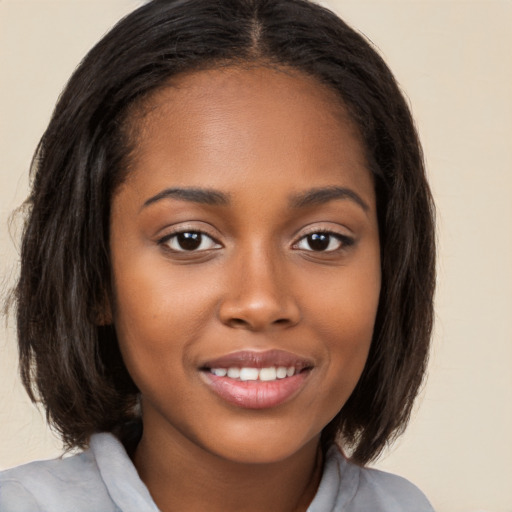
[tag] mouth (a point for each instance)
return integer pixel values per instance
(245, 374)
(256, 380)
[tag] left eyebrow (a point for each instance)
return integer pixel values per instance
(194, 195)
(316, 196)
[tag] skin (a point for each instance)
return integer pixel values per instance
(261, 137)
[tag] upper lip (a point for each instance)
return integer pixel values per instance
(258, 359)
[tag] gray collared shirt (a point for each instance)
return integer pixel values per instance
(103, 479)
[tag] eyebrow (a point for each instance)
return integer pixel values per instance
(195, 195)
(322, 195)
(312, 197)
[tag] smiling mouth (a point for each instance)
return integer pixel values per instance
(256, 380)
(262, 374)
(250, 365)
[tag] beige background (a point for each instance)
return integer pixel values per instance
(454, 60)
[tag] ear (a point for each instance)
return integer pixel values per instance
(103, 312)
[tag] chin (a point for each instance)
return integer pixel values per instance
(263, 446)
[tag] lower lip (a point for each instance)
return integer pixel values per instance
(256, 394)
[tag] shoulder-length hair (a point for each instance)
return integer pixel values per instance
(69, 361)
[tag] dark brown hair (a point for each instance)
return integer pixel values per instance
(72, 364)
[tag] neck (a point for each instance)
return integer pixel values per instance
(182, 476)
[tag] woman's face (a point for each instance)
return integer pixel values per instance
(245, 256)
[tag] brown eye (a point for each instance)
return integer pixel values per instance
(323, 242)
(319, 241)
(189, 241)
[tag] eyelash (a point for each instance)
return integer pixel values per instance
(165, 241)
(344, 241)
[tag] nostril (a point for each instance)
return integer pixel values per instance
(238, 322)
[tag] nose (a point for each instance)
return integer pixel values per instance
(259, 295)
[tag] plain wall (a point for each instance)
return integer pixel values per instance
(454, 61)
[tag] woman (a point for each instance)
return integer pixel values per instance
(227, 269)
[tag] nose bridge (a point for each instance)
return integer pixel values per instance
(261, 274)
(259, 292)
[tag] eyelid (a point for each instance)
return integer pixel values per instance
(323, 227)
(180, 229)
(345, 239)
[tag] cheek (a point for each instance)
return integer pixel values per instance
(151, 295)
(343, 316)
(157, 314)
(345, 302)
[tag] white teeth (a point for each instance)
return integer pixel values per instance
(233, 373)
(281, 372)
(249, 374)
(268, 373)
(264, 374)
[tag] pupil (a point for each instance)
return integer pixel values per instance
(318, 241)
(189, 241)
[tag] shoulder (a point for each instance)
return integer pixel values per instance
(73, 483)
(102, 479)
(393, 492)
(350, 488)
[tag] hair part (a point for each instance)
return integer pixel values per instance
(69, 359)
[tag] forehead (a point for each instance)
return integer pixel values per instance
(236, 122)
(243, 85)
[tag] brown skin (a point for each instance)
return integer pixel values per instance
(261, 136)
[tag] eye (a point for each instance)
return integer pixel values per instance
(189, 241)
(323, 242)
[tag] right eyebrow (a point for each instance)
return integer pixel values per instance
(194, 195)
(322, 195)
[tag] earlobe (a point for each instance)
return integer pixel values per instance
(103, 313)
